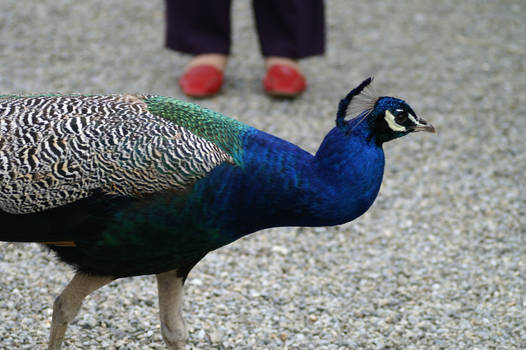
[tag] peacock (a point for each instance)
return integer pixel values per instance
(128, 185)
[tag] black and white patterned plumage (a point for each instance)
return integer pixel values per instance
(55, 150)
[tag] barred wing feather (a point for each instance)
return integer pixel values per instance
(55, 150)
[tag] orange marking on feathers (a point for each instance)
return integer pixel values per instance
(61, 243)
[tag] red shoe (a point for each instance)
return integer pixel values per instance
(285, 81)
(201, 81)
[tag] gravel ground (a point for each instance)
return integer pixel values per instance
(437, 263)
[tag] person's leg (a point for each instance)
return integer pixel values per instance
(198, 26)
(290, 28)
(202, 28)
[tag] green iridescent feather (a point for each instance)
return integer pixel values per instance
(215, 127)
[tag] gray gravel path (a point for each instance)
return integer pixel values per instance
(439, 261)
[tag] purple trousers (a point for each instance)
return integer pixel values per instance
(286, 28)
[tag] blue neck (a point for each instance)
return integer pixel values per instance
(280, 184)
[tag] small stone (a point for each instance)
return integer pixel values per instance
(200, 334)
(196, 282)
(280, 250)
(215, 337)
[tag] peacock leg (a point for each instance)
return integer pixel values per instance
(68, 303)
(173, 329)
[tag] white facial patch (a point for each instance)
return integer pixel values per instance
(413, 119)
(390, 119)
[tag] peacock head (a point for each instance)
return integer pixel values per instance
(387, 117)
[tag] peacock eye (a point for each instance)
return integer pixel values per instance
(400, 116)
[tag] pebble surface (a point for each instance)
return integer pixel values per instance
(438, 262)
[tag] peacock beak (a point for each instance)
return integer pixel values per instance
(422, 125)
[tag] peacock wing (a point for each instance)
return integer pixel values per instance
(55, 150)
